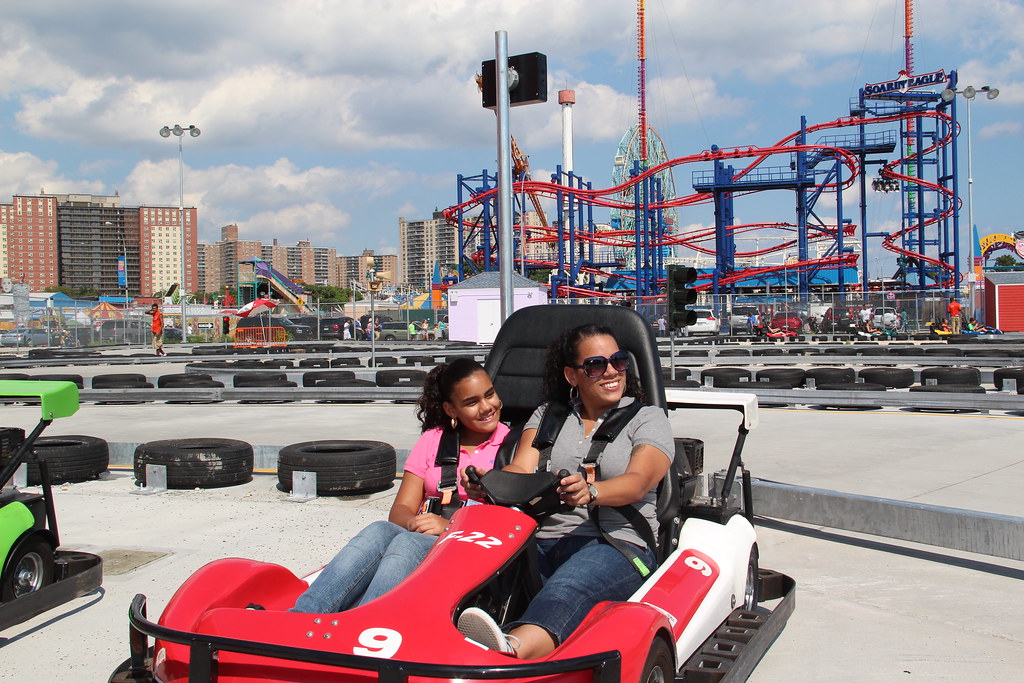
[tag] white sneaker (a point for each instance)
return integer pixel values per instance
(478, 626)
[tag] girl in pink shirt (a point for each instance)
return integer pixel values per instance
(458, 400)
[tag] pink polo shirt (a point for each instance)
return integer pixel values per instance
(421, 458)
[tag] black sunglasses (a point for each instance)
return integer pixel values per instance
(595, 366)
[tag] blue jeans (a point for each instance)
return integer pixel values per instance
(376, 560)
(579, 572)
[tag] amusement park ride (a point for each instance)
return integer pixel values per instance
(903, 126)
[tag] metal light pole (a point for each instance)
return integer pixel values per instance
(179, 132)
(969, 94)
(124, 255)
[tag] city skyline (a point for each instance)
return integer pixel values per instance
(327, 122)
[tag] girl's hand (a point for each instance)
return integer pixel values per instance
(474, 491)
(428, 523)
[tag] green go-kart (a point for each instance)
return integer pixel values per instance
(35, 575)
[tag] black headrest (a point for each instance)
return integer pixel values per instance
(516, 360)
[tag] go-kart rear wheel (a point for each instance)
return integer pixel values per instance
(752, 591)
(658, 668)
(30, 569)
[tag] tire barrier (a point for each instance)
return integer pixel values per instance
(257, 379)
(341, 467)
(1002, 374)
(385, 361)
(726, 374)
(395, 378)
(313, 378)
(419, 360)
(678, 383)
(893, 378)
(196, 463)
(185, 383)
(345, 362)
(733, 352)
(119, 380)
(740, 384)
(346, 383)
(950, 388)
(829, 375)
(15, 376)
(791, 377)
(681, 373)
(906, 351)
(314, 363)
(768, 352)
(851, 386)
(69, 458)
(163, 380)
(946, 351)
(951, 375)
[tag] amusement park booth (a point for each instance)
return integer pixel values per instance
(1004, 301)
(474, 305)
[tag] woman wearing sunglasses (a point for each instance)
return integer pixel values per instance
(581, 567)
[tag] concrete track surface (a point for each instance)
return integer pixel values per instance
(868, 608)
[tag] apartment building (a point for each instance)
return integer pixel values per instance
(301, 262)
(421, 244)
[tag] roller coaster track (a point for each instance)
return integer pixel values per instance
(605, 198)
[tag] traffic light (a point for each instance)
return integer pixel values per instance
(680, 296)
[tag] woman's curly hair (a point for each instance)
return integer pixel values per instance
(563, 350)
(437, 388)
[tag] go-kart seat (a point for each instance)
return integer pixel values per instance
(516, 366)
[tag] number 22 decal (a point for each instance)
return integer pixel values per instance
(482, 540)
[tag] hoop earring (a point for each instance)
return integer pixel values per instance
(500, 404)
(455, 423)
(573, 399)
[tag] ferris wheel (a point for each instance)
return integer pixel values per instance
(629, 152)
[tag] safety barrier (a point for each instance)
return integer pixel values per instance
(249, 337)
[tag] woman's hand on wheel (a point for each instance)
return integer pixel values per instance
(472, 485)
(573, 490)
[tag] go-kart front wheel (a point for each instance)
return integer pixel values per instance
(658, 668)
(30, 569)
(752, 592)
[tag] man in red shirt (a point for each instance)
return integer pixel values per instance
(954, 309)
(157, 328)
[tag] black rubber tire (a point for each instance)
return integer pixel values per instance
(256, 379)
(692, 353)
(681, 383)
(726, 374)
(162, 380)
(947, 351)
(196, 463)
(1000, 375)
(395, 378)
(30, 568)
(830, 375)
(16, 376)
(346, 363)
(950, 388)
(341, 467)
(419, 360)
(315, 377)
(347, 383)
(740, 384)
(986, 353)
(117, 380)
(659, 666)
(74, 379)
(906, 351)
(768, 352)
(894, 378)
(385, 361)
(951, 375)
(733, 352)
(681, 373)
(840, 351)
(314, 363)
(69, 458)
(752, 591)
(873, 351)
(851, 386)
(794, 377)
(389, 338)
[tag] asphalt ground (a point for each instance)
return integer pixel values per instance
(868, 608)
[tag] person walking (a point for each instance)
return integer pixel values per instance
(662, 325)
(157, 328)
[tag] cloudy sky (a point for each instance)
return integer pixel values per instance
(328, 119)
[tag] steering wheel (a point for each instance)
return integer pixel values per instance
(535, 494)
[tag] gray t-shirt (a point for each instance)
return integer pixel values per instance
(650, 426)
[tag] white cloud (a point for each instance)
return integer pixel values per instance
(24, 173)
(1001, 129)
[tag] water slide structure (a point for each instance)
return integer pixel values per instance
(254, 272)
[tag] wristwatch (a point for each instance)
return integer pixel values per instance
(593, 493)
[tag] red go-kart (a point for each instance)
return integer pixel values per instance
(701, 616)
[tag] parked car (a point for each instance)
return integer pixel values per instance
(333, 328)
(706, 323)
(399, 331)
(885, 317)
(292, 329)
(787, 320)
(27, 336)
(738, 318)
(839, 321)
(138, 331)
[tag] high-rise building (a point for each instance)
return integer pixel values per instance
(423, 243)
(76, 240)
